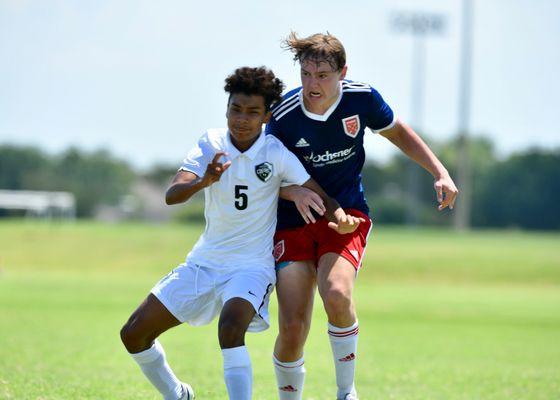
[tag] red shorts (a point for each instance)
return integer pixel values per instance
(311, 241)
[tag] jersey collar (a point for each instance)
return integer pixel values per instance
(327, 114)
(251, 153)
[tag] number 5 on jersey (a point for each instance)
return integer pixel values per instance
(241, 199)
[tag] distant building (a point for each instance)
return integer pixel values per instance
(146, 202)
(39, 204)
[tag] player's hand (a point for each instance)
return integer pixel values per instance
(215, 169)
(345, 223)
(306, 200)
(446, 192)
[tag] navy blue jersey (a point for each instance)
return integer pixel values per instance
(330, 146)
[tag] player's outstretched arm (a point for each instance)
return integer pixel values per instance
(185, 183)
(410, 143)
(338, 219)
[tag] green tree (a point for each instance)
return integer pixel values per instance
(387, 185)
(19, 166)
(96, 178)
(521, 191)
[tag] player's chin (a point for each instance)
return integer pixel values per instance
(241, 137)
(244, 133)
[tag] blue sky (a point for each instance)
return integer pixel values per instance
(144, 79)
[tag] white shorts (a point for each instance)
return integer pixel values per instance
(196, 294)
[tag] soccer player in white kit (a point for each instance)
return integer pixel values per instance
(230, 270)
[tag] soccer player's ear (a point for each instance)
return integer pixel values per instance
(343, 72)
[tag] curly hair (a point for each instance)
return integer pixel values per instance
(317, 48)
(260, 81)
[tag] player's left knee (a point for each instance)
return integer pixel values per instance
(134, 339)
(234, 321)
(338, 302)
(231, 333)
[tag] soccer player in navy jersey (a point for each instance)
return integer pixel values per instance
(323, 123)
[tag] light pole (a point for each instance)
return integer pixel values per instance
(420, 25)
(462, 216)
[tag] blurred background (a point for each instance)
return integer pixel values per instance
(102, 100)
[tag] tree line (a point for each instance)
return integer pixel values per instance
(518, 191)
(94, 178)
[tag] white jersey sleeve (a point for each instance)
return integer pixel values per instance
(293, 172)
(199, 157)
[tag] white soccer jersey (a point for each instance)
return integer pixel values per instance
(240, 209)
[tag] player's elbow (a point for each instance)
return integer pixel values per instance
(172, 196)
(169, 199)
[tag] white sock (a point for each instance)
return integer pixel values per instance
(237, 373)
(290, 377)
(344, 344)
(153, 364)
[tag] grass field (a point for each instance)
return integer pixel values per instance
(442, 316)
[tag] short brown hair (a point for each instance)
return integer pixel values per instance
(260, 81)
(318, 47)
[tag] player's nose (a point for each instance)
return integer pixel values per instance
(242, 118)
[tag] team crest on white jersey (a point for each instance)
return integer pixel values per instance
(302, 143)
(264, 171)
(351, 125)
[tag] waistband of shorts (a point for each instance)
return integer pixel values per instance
(352, 211)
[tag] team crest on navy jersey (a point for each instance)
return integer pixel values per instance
(351, 125)
(264, 171)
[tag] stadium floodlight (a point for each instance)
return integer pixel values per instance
(419, 25)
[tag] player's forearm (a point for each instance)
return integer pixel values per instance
(410, 143)
(288, 192)
(333, 209)
(180, 192)
(331, 205)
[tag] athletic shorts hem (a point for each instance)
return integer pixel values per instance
(258, 323)
(196, 294)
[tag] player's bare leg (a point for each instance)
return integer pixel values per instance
(139, 336)
(235, 317)
(145, 324)
(295, 289)
(335, 280)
